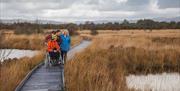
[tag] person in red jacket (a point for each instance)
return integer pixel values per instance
(53, 48)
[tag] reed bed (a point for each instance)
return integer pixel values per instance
(104, 65)
(33, 42)
(14, 71)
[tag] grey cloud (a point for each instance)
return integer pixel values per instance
(42, 1)
(111, 5)
(169, 3)
(36, 8)
(137, 2)
(30, 7)
(40, 4)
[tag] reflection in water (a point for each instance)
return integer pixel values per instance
(15, 53)
(158, 82)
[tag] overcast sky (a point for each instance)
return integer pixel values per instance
(78, 10)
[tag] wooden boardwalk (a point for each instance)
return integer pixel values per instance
(45, 79)
(50, 79)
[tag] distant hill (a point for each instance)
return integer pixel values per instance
(10, 21)
(176, 19)
(160, 19)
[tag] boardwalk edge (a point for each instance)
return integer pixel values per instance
(21, 84)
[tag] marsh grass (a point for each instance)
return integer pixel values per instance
(76, 40)
(33, 42)
(13, 72)
(167, 40)
(104, 65)
(94, 72)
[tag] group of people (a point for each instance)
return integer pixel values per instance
(58, 42)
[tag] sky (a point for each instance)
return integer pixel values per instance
(84, 10)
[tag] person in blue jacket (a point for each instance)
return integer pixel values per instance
(65, 44)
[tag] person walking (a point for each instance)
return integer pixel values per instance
(58, 34)
(65, 44)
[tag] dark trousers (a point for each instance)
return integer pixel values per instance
(64, 55)
(54, 55)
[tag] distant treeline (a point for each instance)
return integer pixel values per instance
(140, 24)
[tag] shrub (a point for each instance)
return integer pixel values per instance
(26, 28)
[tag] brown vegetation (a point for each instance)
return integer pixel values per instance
(33, 42)
(104, 65)
(167, 40)
(14, 71)
(76, 40)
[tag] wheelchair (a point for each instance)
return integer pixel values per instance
(49, 61)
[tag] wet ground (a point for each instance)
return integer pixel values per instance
(15, 53)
